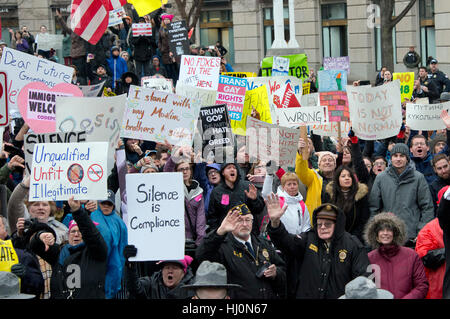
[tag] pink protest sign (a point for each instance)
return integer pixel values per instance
(231, 91)
(37, 104)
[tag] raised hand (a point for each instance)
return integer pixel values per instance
(16, 161)
(229, 223)
(74, 204)
(252, 192)
(446, 118)
(274, 210)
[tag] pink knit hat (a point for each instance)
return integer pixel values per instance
(74, 223)
(184, 263)
(168, 16)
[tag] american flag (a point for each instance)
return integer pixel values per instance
(113, 4)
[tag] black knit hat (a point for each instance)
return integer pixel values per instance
(402, 149)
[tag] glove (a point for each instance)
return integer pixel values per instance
(19, 270)
(401, 134)
(352, 136)
(129, 251)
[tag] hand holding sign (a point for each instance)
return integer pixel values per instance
(74, 204)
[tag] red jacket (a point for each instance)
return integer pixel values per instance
(429, 238)
(403, 274)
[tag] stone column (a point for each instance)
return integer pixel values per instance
(292, 40)
(278, 22)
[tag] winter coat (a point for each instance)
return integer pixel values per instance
(144, 47)
(194, 213)
(242, 266)
(202, 178)
(296, 218)
(406, 195)
(78, 44)
(118, 66)
(444, 221)
(430, 248)
(101, 49)
(153, 287)
(358, 215)
(32, 282)
(163, 45)
(435, 187)
(90, 256)
(123, 87)
(425, 166)
(323, 271)
(402, 273)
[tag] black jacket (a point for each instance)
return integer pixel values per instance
(435, 187)
(154, 288)
(444, 221)
(144, 47)
(242, 266)
(323, 273)
(90, 257)
(433, 91)
(441, 80)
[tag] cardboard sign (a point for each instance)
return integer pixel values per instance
(331, 129)
(47, 41)
(157, 116)
(216, 128)
(272, 142)
(338, 63)
(91, 90)
(178, 38)
(37, 104)
(206, 97)
(332, 80)
(158, 84)
(306, 88)
(116, 16)
(337, 104)
(231, 91)
(32, 138)
(241, 74)
(200, 71)
(23, 68)
(298, 66)
(375, 112)
(302, 116)
(280, 66)
(406, 84)
(155, 204)
(254, 99)
(141, 29)
(101, 118)
(426, 116)
(60, 171)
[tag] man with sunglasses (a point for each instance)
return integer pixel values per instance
(250, 260)
(327, 257)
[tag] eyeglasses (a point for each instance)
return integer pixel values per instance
(326, 224)
(183, 169)
(419, 144)
(379, 164)
(213, 172)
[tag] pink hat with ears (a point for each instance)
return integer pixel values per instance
(184, 263)
(168, 16)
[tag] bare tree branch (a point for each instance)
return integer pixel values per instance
(403, 13)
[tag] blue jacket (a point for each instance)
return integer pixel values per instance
(201, 176)
(117, 66)
(425, 166)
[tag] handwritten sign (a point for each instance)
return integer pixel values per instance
(375, 112)
(60, 171)
(158, 84)
(298, 66)
(101, 118)
(231, 91)
(337, 104)
(23, 68)
(406, 84)
(241, 74)
(200, 71)
(141, 29)
(337, 63)
(155, 204)
(272, 142)
(332, 80)
(302, 116)
(178, 38)
(206, 97)
(216, 128)
(91, 90)
(157, 116)
(280, 66)
(426, 116)
(331, 129)
(115, 16)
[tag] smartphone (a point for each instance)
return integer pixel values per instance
(259, 178)
(211, 47)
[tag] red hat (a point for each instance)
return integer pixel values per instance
(441, 192)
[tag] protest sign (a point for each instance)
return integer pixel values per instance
(337, 104)
(375, 112)
(216, 128)
(116, 16)
(91, 90)
(331, 129)
(158, 84)
(298, 66)
(306, 88)
(256, 102)
(200, 71)
(302, 116)
(101, 118)
(178, 38)
(47, 41)
(337, 63)
(8, 255)
(272, 142)
(158, 116)
(312, 99)
(141, 29)
(240, 74)
(280, 66)
(332, 80)
(62, 170)
(155, 204)
(206, 97)
(406, 84)
(33, 138)
(23, 68)
(231, 91)
(426, 116)
(422, 100)
(37, 104)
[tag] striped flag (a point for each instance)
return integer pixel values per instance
(144, 29)
(113, 4)
(89, 19)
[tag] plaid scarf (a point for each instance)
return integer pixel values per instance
(46, 271)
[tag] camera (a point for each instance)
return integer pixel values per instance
(28, 224)
(262, 269)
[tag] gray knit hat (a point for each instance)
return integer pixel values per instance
(402, 149)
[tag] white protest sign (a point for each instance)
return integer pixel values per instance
(31, 139)
(60, 171)
(23, 68)
(206, 97)
(302, 116)
(331, 129)
(47, 41)
(312, 99)
(375, 112)
(115, 16)
(155, 205)
(280, 66)
(158, 84)
(272, 142)
(200, 71)
(100, 117)
(158, 116)
(91, 90)
(426, 116)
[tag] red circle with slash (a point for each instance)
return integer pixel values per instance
(95, 172)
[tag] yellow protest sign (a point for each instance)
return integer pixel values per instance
(256, 100)
(306, 88)
(8, 256)
(241, 74)
(144, 7)
(406, 84)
